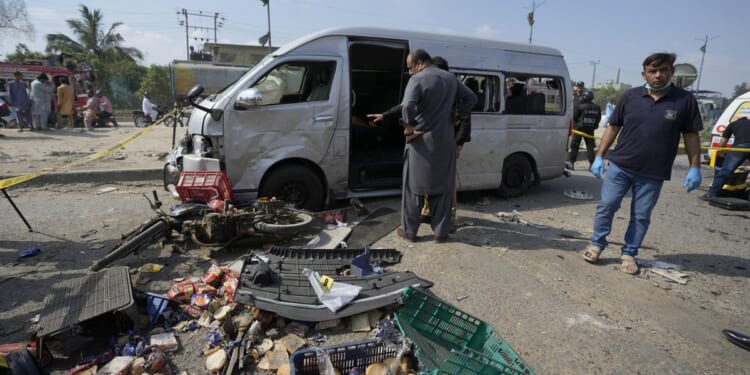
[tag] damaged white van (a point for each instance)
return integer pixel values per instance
(295, 125)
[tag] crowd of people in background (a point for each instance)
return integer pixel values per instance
(41, 106)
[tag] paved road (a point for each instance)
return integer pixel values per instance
(28, 152)
(562, 315)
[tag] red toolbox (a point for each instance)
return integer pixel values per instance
(203, 186)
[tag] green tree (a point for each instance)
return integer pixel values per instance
(91, 42)
(740, 89)
(23, 53)
(607, 94)
(156, 82)
(124, 81)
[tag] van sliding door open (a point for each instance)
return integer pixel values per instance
(378, 78)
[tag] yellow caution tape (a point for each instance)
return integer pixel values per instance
(582, 134)
(736, 149)
(12, 181)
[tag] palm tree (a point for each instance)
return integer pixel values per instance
(92, 40)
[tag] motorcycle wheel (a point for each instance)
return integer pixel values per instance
(157, 228)
(141, 121)
(301, 223)
(169, 121)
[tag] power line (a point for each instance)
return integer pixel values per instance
(218, 22)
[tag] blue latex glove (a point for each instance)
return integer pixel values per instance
(597, 168)
(693, 179)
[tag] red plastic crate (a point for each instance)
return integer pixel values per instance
(203, 186)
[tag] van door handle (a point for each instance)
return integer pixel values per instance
(321, 118)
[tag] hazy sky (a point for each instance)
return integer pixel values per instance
(616, 34)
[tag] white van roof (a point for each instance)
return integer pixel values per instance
(427, 38)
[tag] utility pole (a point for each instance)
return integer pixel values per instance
(187, 37)
(530, 17)
(217, 25)
(267, 4)
(703, 56)
(593, 77)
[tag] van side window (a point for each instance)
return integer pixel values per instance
(533, 95)
(295, 82)
(485, 88)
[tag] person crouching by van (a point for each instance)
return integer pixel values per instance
(430, 151)
(649, 121)
(733, 159)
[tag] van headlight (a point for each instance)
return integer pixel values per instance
(200, 145)
(184, 140)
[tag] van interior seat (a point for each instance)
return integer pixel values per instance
(535, 103)
(322, 86)
(516, 102)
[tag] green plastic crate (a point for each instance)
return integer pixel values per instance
(448, 340)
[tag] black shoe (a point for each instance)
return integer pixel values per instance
(705, 197)
(441, 239)
(737, 338)
(400, 232)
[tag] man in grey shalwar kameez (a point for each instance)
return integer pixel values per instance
(430, 152)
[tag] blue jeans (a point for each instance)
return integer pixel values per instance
(617, 183)
(732, 160)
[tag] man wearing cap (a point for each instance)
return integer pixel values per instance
(20, 101)
(577, 92)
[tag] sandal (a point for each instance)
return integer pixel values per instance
(628, 265)
(591, 253)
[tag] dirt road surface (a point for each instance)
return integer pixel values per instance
(562, 315)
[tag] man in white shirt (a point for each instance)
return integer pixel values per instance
(149, 108)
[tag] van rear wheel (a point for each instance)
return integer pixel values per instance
(294, 184)
(517, 176)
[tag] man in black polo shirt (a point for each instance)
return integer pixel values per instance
(649, 121)
(741, 131)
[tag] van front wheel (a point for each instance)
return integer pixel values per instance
(294, 184)
(517, 176)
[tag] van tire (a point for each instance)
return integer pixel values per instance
(517, 176)
(294, 184)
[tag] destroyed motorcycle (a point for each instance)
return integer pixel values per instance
(203, 225)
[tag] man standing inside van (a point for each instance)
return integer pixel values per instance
(430, 152)
(649, 121)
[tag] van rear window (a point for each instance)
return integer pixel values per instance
(533, 95)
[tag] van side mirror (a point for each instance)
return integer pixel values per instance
(249, 98)
(194, 93)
